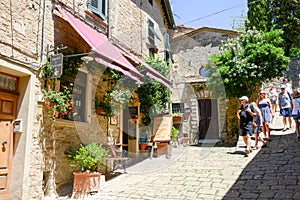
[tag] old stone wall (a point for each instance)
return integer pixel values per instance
(26, 28)
(191, 52)
(128, 24)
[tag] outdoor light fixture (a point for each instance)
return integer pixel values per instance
(139, 83)
(87, 59)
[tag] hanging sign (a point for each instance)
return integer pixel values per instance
(57, 63)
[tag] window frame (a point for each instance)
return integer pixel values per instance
(151, 32)
(178, 110)
(87, 91)
(100, 10)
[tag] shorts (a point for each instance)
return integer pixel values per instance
(296, 116)
(246, 129)
(285, 112)
(273, 101)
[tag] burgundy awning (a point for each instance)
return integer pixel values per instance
(150, 71)
(100, 44)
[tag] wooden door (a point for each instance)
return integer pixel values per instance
(208, 119)
(8, 106)
(6, 129)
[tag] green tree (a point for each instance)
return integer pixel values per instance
(247, 61)
(259, 15)
(267, 15)
(153, 95)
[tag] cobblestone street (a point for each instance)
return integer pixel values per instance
(206, 172)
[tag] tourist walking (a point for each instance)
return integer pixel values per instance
(296, 110)
(264, 105)
(257, 126)
(273, 98)
(285, 105)
(288, 86)
(245, 114)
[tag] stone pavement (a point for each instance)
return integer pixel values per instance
(207, 172)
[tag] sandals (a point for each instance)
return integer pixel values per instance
(247, 152)
(264, 145)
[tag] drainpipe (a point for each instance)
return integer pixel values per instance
(43, 33)
(108, 21)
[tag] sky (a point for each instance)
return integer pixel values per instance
(213, 13)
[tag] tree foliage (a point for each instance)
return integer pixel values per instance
(247, 61)
(267, 15)
(153, 95)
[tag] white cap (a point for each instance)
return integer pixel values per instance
(283, 86)
(244, 98)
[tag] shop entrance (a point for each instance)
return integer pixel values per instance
(8, 104)
(208, 119)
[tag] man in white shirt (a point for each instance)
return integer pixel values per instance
(288, 86)
(286, 106)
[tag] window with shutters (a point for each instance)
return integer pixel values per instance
(167, 50)
(98, 7)
(151, 33)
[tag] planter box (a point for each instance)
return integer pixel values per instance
(100, 111)
(177, 118)
(85, 182)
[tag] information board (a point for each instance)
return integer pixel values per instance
(162, 127)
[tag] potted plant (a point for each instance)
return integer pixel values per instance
(87, 158)
(175, 133)
(177, 116)
(58, 103)
(104, 107)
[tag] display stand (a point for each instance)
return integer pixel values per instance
(162, 128)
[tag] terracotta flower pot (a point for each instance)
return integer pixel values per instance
(143, 146)
(85, 182)
(100, 111)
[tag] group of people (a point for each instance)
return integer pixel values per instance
(255, 117)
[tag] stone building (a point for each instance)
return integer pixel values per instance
(114, 33)
(204, 115)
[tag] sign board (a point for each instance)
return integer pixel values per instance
(162, 128)
(57, 63)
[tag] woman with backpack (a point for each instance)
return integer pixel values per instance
(245, 114)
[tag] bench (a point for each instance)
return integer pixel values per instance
(117, 157)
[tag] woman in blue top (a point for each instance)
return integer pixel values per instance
(296, 110)
(264, 105)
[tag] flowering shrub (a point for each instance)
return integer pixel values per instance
(58, 103)
(247, 61)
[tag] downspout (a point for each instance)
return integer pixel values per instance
(12, 30)
(43, 33)
(108, 21)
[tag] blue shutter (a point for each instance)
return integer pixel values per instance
(98, 7)
(167, 42)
